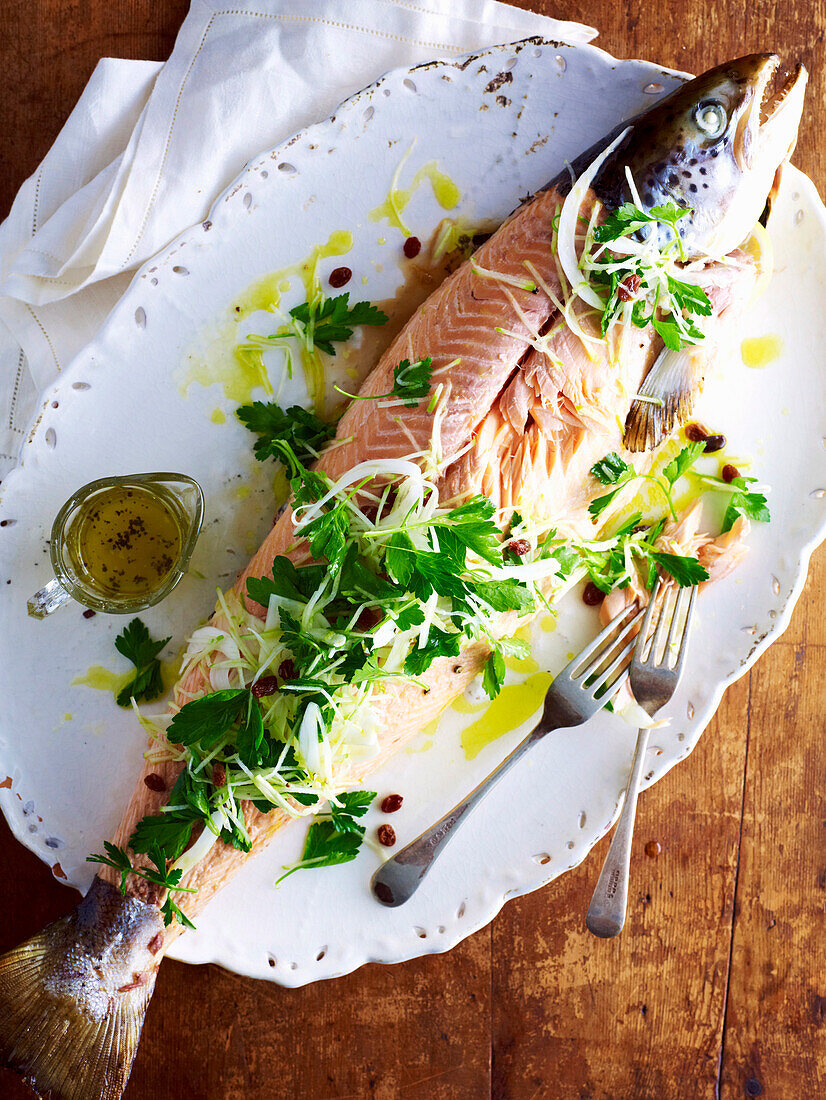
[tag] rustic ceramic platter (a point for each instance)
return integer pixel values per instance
(498, 125)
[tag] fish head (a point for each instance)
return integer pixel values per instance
(714, 146)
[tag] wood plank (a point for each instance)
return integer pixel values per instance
(808, 625)
(641, 1015)
(420, 1028)
(775, 1041)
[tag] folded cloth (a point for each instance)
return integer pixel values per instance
(149, 147)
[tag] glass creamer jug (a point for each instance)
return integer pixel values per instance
(121, 544)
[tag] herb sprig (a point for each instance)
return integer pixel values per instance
(609, 570)
(630, 218)
(642, 286)
(322, 322)
(335, 838)
(137, 646)
(745, 503)
(294, 436)
(411, 382)
(615, 471)
(119, 860)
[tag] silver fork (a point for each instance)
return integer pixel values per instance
(579, 691)
(654, 674)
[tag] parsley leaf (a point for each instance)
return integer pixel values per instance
(494, 674)
(685, 571)
(669, 214)
(205, 721)
(752, 505)
(331, 320)
(610, 469)
(237, 836)
(327, 532)
(355, 805)
(689, 296)
(371, 670)
(302, 431)
(170, 832)
(250, 736)
(630, 218)
(515, 647)
(328, 535)
(325, 846)
(507, 595)
(435, 572)
(399, 558)
(287, 581)
(358, 583)
(473, 525)
(411, 381)
(116, 858)
(304, 647)
(672, 335)
(170, 911)
(566, 556)
(599, 504)
(138, 647)
(682, 462)
(354, 660)
(187, 789)
(440, 643)
(308, 486)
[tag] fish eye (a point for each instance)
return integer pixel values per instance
(711, 118)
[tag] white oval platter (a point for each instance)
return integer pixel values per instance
(500, 124)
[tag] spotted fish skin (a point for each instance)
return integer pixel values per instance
(714, 146)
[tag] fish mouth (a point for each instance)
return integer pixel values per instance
(768, 129)
(772, 100)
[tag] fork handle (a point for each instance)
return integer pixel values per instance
(398, 878)
(606, 913)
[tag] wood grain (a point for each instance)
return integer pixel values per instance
(658, 990)
(775, 1036)
(717, 986)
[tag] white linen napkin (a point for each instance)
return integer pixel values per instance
(149, 147)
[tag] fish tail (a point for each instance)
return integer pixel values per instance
(73, 998)
(665, 399)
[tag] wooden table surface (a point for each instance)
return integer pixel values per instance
(717, 986)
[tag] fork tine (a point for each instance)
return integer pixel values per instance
(616, 664)
(686, 624)
(663, 627)
(645, 629)
(629, 629)
(649, 659)
(598, 650)
(592, 647)
(677, 623)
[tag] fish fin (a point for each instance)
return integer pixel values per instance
(73, 998)
(671, 387)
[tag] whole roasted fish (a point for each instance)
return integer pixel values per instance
(575, 329)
